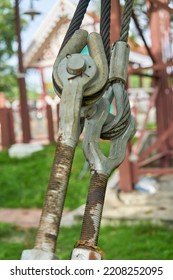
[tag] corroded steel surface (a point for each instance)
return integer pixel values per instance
(94, 207)
(54, 202)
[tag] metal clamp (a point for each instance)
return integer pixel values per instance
(96, 50)
(119, 62)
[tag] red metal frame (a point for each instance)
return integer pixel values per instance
(156, 158)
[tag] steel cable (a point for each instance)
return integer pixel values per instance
(76, 20)
(105, 19)
(128, 8)
(119, 128)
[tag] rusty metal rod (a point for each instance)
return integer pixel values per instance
(54, 201)
(94, 208)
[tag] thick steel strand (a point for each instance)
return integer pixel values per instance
(105, 26)
(76, 20)
(119, 128)
(126, 20)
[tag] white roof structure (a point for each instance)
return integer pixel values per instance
(47, 40)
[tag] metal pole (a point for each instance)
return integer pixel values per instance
(115, 21)
(159, 26)
(125, 169)
(50, 123)
(21, 81)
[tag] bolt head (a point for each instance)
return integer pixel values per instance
(76, 64)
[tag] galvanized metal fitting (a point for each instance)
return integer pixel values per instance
(74, 86)
(88, 111)
(85, 254)
(75, 45)
(82, 66)
(119, 62)
(84, 250)
(93, 127)
(37, 254)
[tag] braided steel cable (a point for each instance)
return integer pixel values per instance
(119, 128)
(126, 20)
(76, 20)
(105, 20)
(116, 129)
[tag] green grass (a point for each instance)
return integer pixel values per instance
(136, 242)
(151, 126)
(23, 184)
(24, 181)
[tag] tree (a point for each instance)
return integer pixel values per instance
(8, 81)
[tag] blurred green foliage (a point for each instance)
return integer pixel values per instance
(24, 181)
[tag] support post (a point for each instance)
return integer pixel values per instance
(44, 91)
(115, 21)
(160, 30)
(7, 128)
(11, 126)
(126, 173)
(50, 123)
(21, 81)
(57, 113)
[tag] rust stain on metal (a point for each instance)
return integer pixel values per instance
(54, 201)
(92, 256)
(50, 236)
(93, 210)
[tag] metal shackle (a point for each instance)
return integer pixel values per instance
(80, 64)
